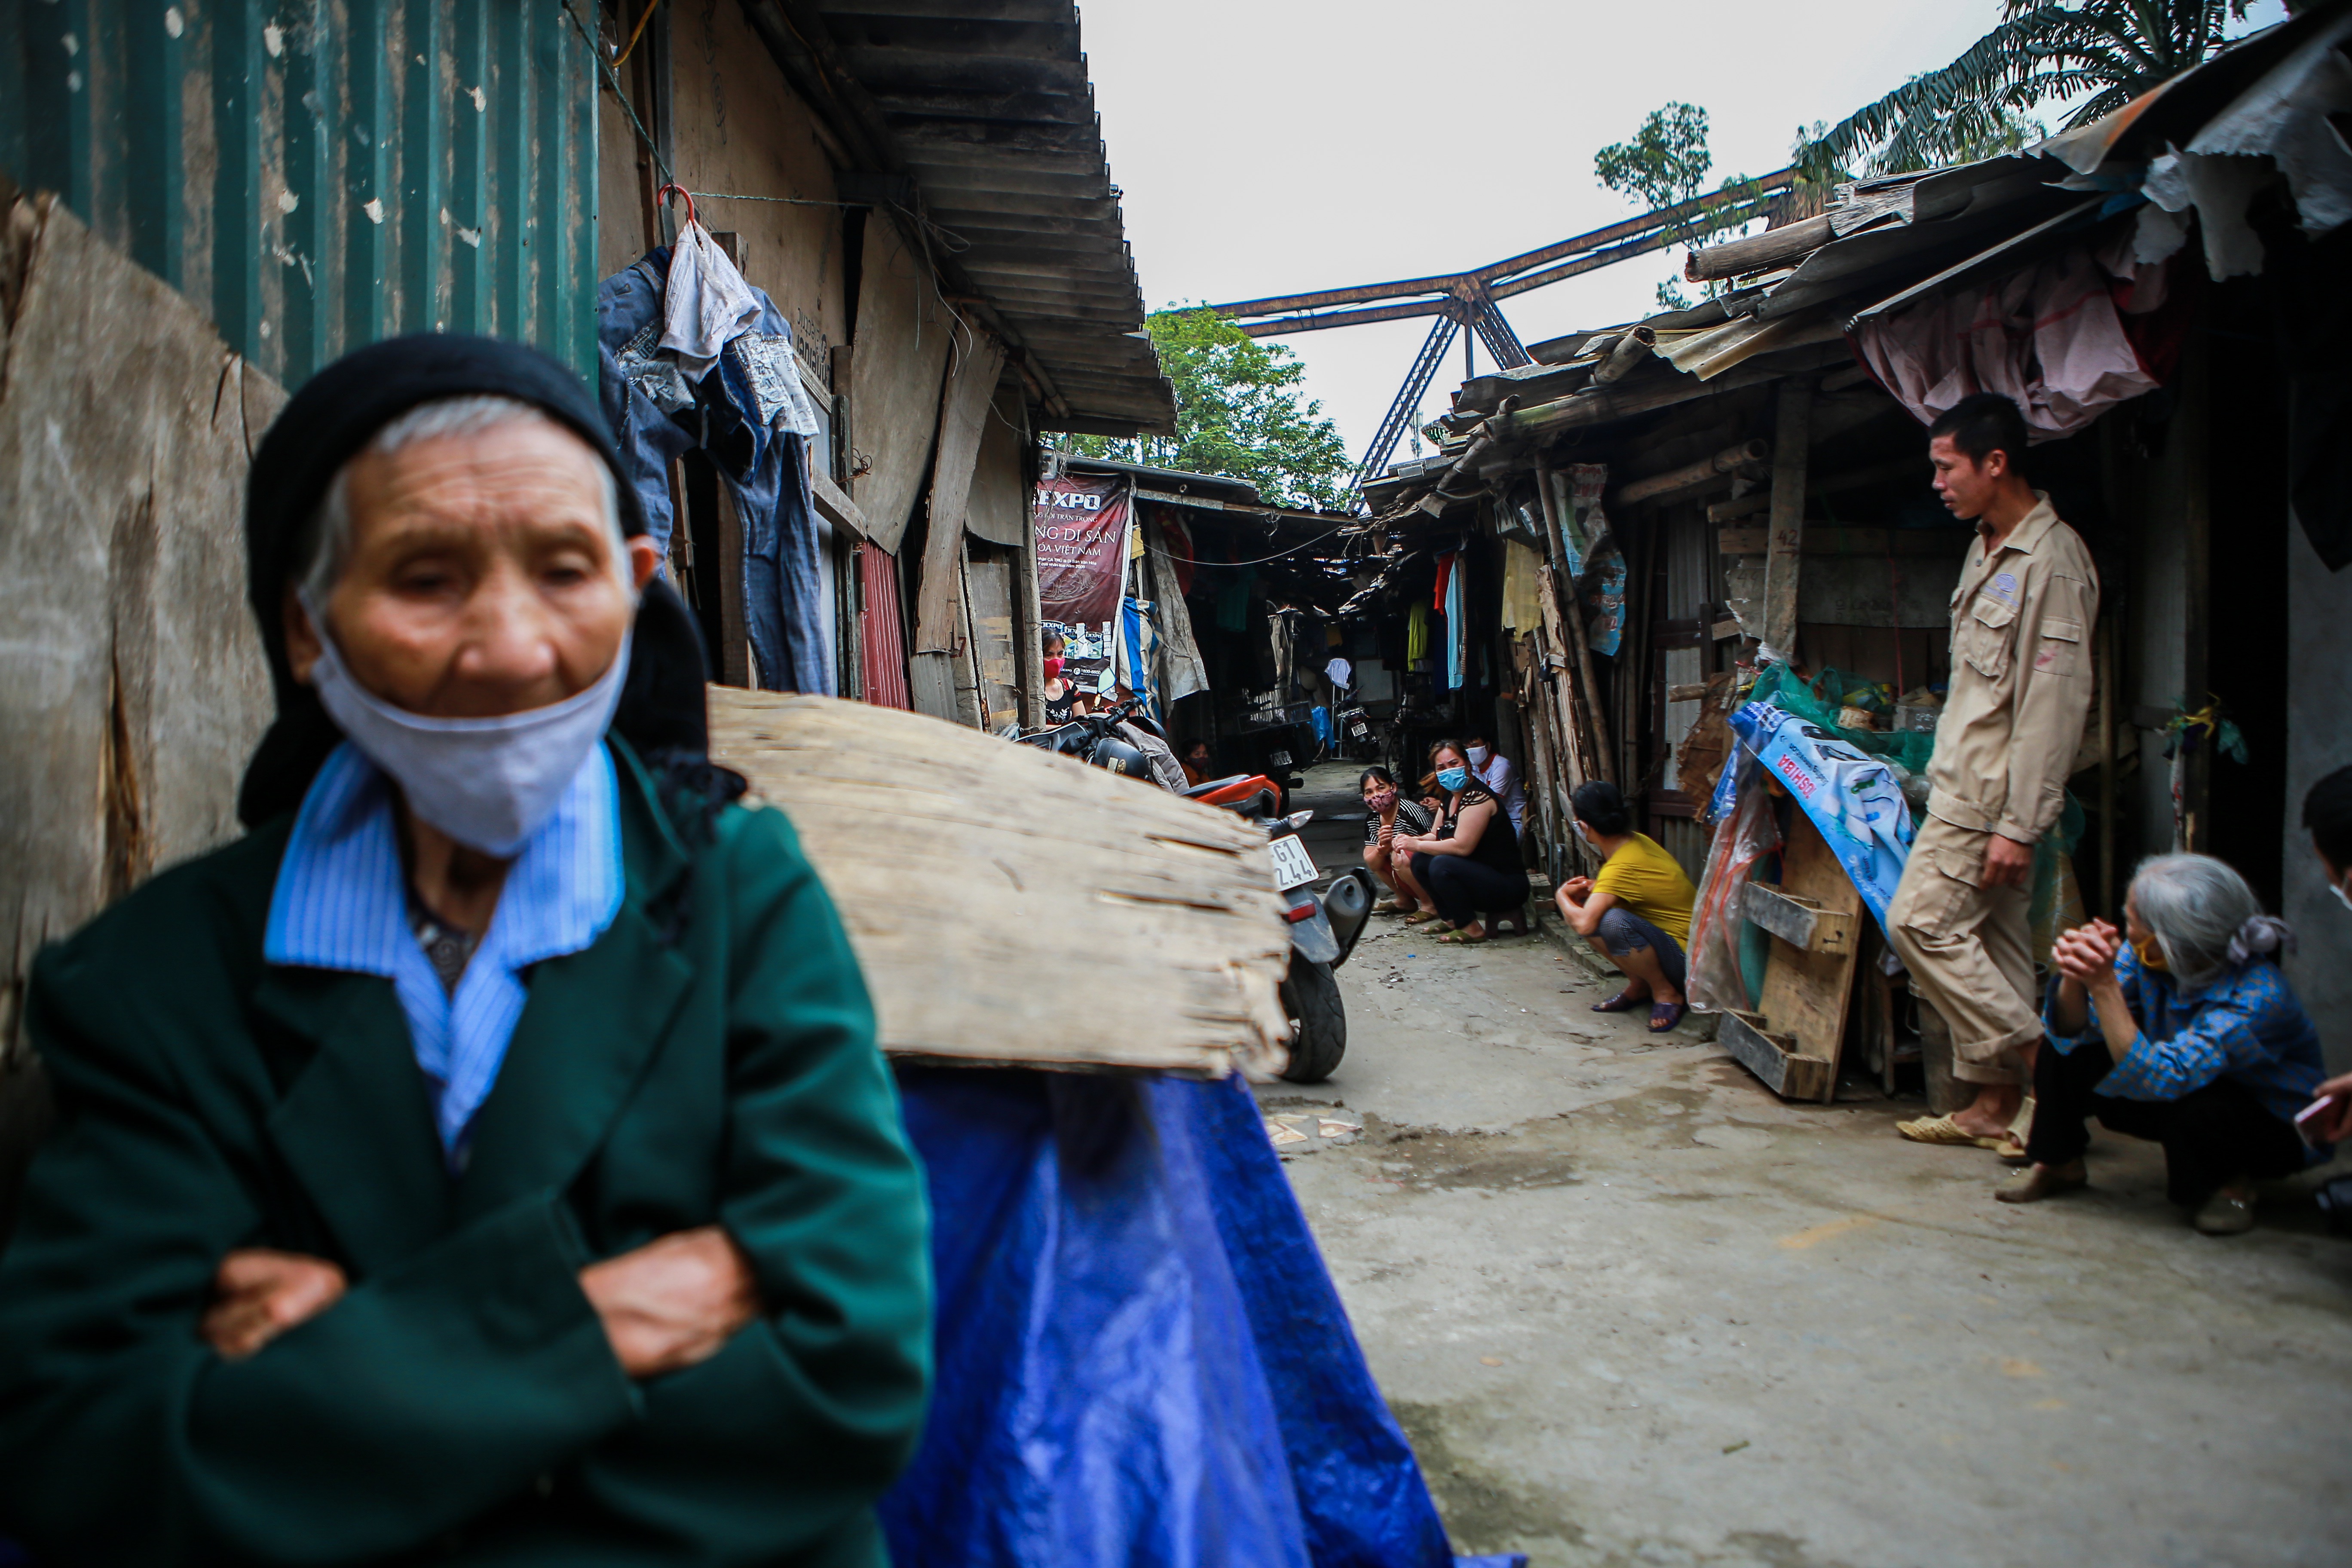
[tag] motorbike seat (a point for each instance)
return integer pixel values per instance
(1211, 787)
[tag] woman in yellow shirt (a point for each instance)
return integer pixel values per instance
(1636, 913)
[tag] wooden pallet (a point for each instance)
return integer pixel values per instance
(1795, 1039)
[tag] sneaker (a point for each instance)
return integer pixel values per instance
(2030, 1186)
(2226, 1214)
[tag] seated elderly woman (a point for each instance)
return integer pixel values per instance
(1636, 913)
(1388, 814)
(1471, 861)
(489, 1153)
(2179, 1029)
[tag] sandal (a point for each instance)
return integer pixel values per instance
(1462, 939)
(1665, 1015)
(1422, 917)
(1945, 1132)
(1394, 907)
(1623, 1002)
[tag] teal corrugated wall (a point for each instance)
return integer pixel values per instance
(323, 173)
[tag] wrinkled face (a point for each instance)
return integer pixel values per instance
(2134, 931)
(481, 577)
(1966, 485)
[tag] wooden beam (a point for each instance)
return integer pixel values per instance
(1705, 471)
(1798, 921)
(1793, 414)
(1758, 253)
(938, 612)
(836, 506)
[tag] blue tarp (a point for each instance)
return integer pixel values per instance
(1852, 797)
(1141, 1359)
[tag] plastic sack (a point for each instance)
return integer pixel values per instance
(1818, 701)
(1140, 1357)
(1745, 837)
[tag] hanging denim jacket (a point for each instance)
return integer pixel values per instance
(750, 416)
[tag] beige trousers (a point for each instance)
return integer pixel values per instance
(1970, 951)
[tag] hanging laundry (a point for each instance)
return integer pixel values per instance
(747, 411)
(1444, 572)
(1457, 624)
(706, 303)
(1416, 635)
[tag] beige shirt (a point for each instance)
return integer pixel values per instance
(2021, 680)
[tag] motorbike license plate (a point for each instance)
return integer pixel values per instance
(1279, 758)
(1292, 864)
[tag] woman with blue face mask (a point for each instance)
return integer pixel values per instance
(1470, 861)
(501, 1115)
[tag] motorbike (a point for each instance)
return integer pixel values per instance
(1324, 926)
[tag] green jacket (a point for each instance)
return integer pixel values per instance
(711, 1059)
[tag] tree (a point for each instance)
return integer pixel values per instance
(1664, 164)
(2106, 52)
(1239, 414)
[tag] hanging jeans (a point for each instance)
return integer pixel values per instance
(1461, 887)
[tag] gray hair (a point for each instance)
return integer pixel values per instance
(2204, 916)
(327, 541)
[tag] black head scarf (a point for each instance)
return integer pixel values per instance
(326, 424)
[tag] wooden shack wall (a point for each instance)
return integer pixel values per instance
(132, 682)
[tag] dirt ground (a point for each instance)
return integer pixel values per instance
(1631, 1309)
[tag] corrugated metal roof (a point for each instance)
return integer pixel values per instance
(984, 105)
(321, 174)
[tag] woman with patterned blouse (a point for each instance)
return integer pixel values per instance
(1387, 814)
(2179, 1029)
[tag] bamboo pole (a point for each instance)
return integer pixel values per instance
(1572, 621)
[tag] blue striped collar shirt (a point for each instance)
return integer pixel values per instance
(342, 902)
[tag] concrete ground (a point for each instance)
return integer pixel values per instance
(1631, 1309)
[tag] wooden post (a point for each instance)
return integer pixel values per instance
(2192, 427)
(734, 646)
(2108, 696)
(1570, 617)
(1029, 623)
(1791, 432)
(939, 612)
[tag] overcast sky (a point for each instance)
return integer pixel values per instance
(1277, 146)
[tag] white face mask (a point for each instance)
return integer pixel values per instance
(1478, 756)
(486, 782)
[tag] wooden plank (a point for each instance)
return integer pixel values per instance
(969, 919)
(901, 341)
(1806, 993)
(938, 646)
(1789, 432)
(834, 504)
(1743, 541)
(1797, 921)
(1773, 1058)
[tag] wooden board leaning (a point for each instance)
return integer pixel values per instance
(1014, 908)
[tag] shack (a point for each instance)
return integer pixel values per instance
(201, 205)
(1655, 515)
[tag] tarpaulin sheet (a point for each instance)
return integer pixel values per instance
(1140, 1357)
(1851, 799)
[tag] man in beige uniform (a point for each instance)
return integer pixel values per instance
(2020, 689)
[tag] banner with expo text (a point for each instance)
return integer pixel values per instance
(1080, 523)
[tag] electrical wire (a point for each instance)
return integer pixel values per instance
(1261, 560)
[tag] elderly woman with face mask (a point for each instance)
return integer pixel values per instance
(2181, 1029)
(489, 1153)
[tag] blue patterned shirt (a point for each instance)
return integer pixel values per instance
(342, 902)
(2246, 1025)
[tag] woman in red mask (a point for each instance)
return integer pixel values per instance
(1062, 698)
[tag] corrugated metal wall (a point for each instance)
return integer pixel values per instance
(319, 174)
